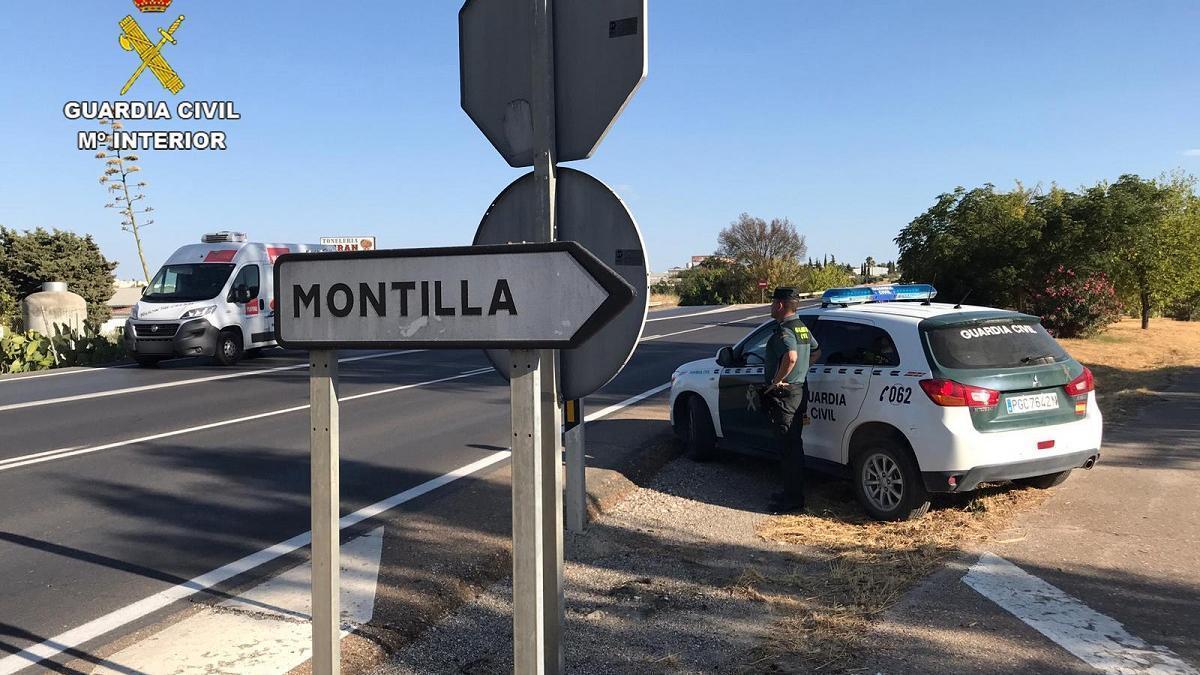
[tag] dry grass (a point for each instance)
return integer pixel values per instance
(1132, 364)
(664, 300)
(862, 568)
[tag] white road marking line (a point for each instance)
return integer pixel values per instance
(113, 620)
(707, 311)
(274, 617)
(197, 380)
(1097, 640)
(38, 454)
(130, 613)
(692, 330)
(56, 373)
(625, 404)
(38, 458)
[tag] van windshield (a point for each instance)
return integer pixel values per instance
(188, 283)
(995, 344)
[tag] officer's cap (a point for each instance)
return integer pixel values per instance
(785, 293)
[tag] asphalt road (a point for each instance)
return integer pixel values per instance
(117, 483)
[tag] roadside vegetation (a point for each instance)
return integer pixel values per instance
(867, 566)
(751, 250)
(1064, 255)
(27, 259)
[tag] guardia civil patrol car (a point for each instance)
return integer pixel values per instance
(909, 397)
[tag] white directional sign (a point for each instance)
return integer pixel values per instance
(599, 62)
(519, 296)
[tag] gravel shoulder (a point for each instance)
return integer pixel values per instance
(657, 584)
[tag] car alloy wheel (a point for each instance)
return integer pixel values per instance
(883, 482)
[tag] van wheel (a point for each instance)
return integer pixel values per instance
(887, 483)
(1044, 482)
(699, 436)
(229, 347)
(147, 361)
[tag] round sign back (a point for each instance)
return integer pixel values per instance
(594, 216)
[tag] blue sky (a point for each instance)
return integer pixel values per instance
(846, 117)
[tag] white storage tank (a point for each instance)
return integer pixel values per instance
(53, 306)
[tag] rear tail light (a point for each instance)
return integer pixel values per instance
(1082, 384)
(951, 393)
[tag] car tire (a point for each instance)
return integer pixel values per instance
(699, 436)
(147, 361)
(888, 483)
(1044, 482)
(229, 347)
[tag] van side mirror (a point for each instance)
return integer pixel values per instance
(725, 357)
(241, 294)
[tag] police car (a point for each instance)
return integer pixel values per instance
(909, 397)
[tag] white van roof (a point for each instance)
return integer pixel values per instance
(238, 252)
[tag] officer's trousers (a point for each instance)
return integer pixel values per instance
(785, 410)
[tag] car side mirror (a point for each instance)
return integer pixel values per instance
(241, 294)
(725, 357)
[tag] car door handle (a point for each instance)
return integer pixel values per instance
(262, 304)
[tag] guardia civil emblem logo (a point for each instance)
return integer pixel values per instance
(133, 39)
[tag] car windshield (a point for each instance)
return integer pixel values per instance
(999, 343)
(188, 283)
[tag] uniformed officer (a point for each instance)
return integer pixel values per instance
(790, 349)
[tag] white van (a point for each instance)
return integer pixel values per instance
(215, 298)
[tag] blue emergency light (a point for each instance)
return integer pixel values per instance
(860, 294)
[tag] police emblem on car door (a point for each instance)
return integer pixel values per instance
(740, 386)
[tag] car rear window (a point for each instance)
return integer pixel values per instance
(993, 344)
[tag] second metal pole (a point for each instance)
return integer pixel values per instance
(576, 498)
(325, 496)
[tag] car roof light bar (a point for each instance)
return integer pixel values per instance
(857, 295)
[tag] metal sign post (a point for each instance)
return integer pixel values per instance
(529, 584)
(549, 483)
(325, 489)
(576, 467)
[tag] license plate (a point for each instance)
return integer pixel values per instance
(1031, 403)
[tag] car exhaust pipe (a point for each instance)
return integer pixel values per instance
(1091, 461)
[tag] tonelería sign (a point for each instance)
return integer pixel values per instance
(516, 296)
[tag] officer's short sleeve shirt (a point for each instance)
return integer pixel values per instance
(789, 336)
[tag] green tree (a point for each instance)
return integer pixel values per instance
(713, 282)
(1150, 238)
(816, 279)
(28, 259)
(976, 241)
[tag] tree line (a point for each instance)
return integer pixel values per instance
(750, 250)
(28, 259)
(1138, 238)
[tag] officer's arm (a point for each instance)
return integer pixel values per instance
(786, 363)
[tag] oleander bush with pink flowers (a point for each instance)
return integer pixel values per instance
(1076, 305)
